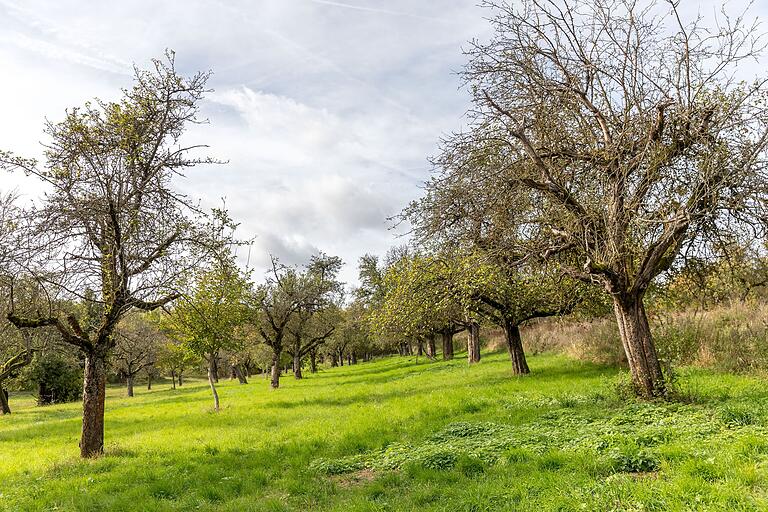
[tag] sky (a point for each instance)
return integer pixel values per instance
(326, 111)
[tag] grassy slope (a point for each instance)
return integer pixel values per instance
(477, 439)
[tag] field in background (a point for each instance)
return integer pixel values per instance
(397, 434)
(730, 337)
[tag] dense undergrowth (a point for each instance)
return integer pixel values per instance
(401, 434)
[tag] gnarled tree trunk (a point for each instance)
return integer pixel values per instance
(473, 343)
(94, 393)
(635, 332)
(313, 361)
(241, 378)
(275, 373)
(297, 367)
(515, 348)
(129, 384)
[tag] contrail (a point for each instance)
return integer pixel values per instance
(375, 10)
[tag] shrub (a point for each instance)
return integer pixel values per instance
(54, 378)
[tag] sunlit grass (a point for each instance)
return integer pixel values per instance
(565, 442)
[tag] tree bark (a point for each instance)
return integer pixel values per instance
(241, 378)
(354, 358)
(275, 380)
(4, 407)
(635, 332)
(473, 343)
(447, 338)
(129, 384)
(334, 360)
(419, 348)
(212, 381)
(313, 361)
(431, 349)
(297, 367)
(515, 348)
(173, 378)
(149, 382)
(94, 393)
(215, 368)
(180, 382)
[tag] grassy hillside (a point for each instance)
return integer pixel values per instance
(401, 435)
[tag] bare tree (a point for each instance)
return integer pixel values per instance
(111, 221)
(622, 131)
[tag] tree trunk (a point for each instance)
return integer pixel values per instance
(94, 393)
(419, 348)
(4, 407)
(447, 338)
(149, 382)
(297, 367)
(313, 361)
(334, 360)
(129, 384)
(173, 378)
(515, 348)
(180, 382)
(473, 343)
(354, 358)
(635, 333)
(431, 350)
(212, 381)
(241, 378)
(275, 381)
(215, 368)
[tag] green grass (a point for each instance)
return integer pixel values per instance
(400, 435)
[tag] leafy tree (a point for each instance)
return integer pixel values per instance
(314, 323)
(207, 319)
(352, 337)
(419, 302)
(175, 359)
(137, 347)
(510, 296)
(56, 377)
(289, 293)
(112, 222)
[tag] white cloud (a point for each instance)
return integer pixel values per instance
(325, 110)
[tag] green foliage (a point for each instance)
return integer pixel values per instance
(739, 415)
(54, 379)
(632, 459)
(208, 317)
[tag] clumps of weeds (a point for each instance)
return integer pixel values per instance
(338, 466)
(629, 441)
(739, 415)
(633, 459)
